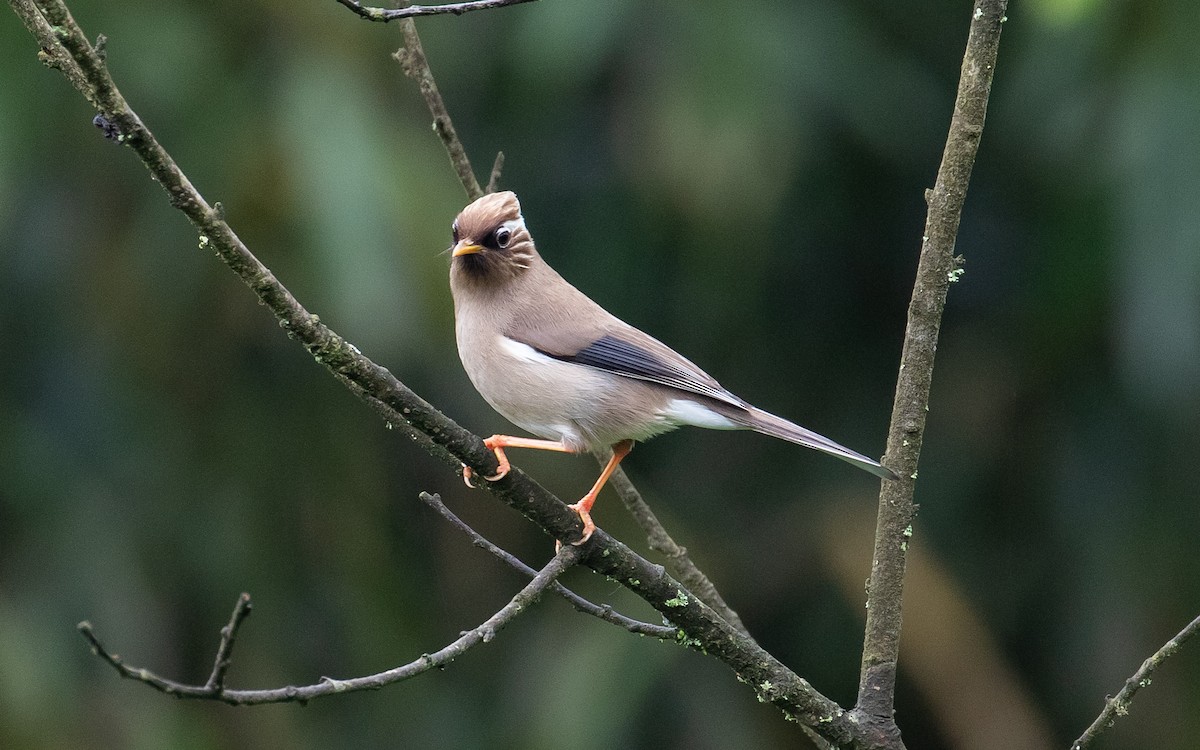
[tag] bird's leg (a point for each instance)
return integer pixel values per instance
(497, 444)
(584, 506)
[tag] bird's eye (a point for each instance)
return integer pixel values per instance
(503, 237)
(454, 231)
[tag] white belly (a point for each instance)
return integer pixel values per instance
(586, 408)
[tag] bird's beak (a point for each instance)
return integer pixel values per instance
(465, 247)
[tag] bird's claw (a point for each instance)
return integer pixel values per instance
(589, 527)
(468, 472)
(502, 464)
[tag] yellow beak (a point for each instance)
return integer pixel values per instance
(465, 248)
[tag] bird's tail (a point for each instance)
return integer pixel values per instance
(769, 424)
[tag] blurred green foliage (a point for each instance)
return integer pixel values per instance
(744, 181)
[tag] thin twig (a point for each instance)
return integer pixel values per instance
(53, 55)
(494, 178)
(936, 269)
(604, 612)
(1118, 705)
(383, 15)
(677, 556)
(416, 66)
(215, 688)
(241, 610)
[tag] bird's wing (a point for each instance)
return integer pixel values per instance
(633, 354)
(564, 323)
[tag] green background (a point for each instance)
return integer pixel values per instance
(743, 180)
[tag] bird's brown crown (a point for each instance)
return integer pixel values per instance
(488, 212)
(491, 241)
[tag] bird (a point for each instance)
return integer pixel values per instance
(558, 365)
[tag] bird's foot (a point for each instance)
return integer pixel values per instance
(496, 445)
(583, 508)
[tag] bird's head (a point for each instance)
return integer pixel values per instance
(491, 242)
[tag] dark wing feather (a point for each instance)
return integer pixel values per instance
(626, 358)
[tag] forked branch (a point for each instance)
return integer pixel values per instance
(215, 688)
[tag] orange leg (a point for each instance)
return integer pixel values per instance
(584, 506)
(497, 444)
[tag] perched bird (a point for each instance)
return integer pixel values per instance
(555, 363)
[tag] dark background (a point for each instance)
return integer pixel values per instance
(743, 180)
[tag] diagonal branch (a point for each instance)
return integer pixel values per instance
(241, 610)
(1118, 705)
(215, 688)
(383, 15)
(493, 183)
(936, 269)
(603, 612)
(53, 55)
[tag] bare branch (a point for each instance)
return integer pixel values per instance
(383, 15)
(241, 610)
(53, 55)
(494, 179)
(936, 269)
(604, 612)
(1118, 705)
(416, 66)
(215, 689)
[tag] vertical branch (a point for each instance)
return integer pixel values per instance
(936, 269)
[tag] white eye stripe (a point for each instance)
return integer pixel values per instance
(506, 231)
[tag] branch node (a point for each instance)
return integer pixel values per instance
(107, 127)
(339, 686)
(404, 57)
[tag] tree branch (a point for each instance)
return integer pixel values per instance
(416, 66)
(241, 610)
(383, 15)
(936, 269)
(53, 55)
(1118, 705)
(493, 182)
(603, 612)
(215, 689)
